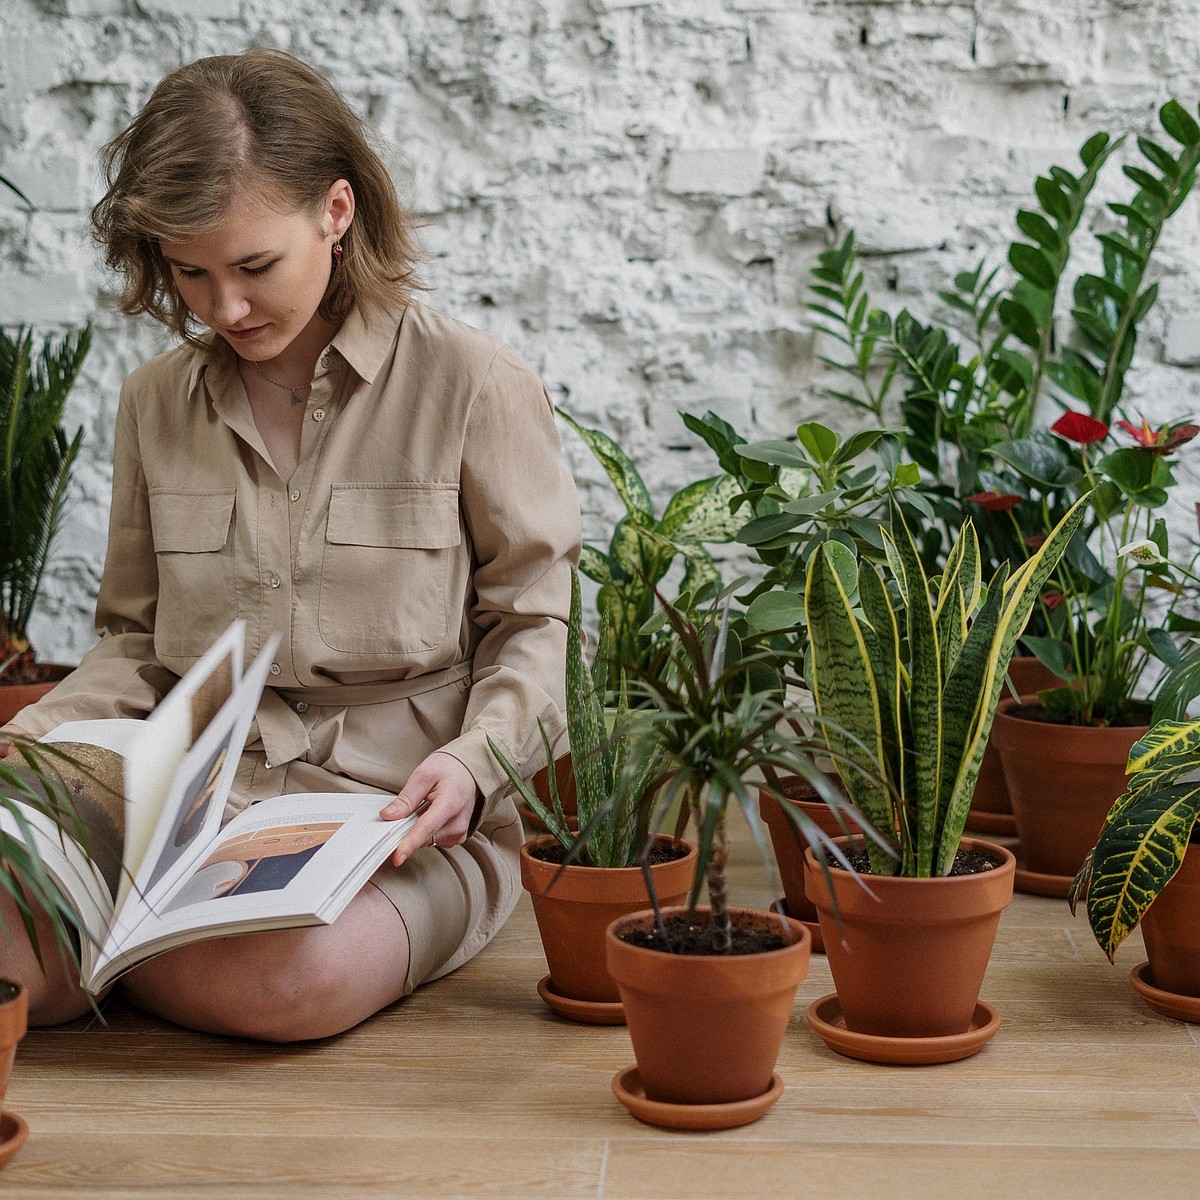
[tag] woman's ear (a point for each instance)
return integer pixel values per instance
(339, 208)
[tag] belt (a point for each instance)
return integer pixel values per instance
(284, 736)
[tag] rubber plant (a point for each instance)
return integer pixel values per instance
(1143, 840)
(906, 672)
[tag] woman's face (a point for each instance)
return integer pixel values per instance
(258, 279)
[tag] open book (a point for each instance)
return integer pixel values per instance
(164, 867)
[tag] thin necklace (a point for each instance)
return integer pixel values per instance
(294, 388)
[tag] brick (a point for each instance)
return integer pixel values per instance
(715, 172)
(1182, 346)
(42, 299)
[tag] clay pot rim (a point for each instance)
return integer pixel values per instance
(1030, 698)
(547, 839)
(1003, 856)
(801, 942)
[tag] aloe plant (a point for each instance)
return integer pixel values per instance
(1145, 835)
(643, 547)
(908, 693)
(609, 834)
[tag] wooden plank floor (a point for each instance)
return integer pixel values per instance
(471, 1088)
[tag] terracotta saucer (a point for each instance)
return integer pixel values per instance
(13, 1132)
(1034, 883)
(590, 1012)
(813, 927)
(1004, 824)
(825, 1017)
(1170, 1004)
(627, 1087)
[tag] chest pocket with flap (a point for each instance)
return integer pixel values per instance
(385, 575)
(197, 596)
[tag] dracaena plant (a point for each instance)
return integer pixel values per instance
(979, 380)
(608, 833)
(1145, 835)
(906, 672)
(714, 739)
(643, 547)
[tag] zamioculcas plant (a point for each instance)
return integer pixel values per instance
(609, 833)
(1145, 835)
(908, 672)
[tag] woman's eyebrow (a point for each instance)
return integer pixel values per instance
(241, 262)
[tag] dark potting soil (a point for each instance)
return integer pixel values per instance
(695, 937)
(966, 862)
(556, 854)
(1035, 712)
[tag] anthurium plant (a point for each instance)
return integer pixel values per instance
(906, 671)
(1116, 618)
(1145, 835)
(643, 547)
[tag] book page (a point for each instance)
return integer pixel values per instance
(153, 758)
(286, 861)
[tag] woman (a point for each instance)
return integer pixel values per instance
(333, 461)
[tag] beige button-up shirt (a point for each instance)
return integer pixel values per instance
(416, 564)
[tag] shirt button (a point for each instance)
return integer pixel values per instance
(274, 581)
(294, 496)
(318, 414)
(266, 764)
(301, 706)
(325, 359)
(276, 669)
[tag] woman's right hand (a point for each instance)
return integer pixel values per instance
(6, 745)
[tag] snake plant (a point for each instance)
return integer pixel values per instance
(906, 672)
(1145, 835)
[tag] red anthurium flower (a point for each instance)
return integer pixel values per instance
(1052, 599)
(995, 501)
(1079, 427)
(1164, 440)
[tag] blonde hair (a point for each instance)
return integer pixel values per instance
(220, 126)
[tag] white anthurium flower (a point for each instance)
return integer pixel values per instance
(1144, 553)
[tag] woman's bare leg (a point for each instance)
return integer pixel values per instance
(283, 985)
(54, 992)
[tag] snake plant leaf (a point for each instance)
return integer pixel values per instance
(1135, 857)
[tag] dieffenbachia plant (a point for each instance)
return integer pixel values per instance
(1145, 835)
(906, 672)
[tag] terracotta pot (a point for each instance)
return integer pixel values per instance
(14, 1018)
(707, 1029)
(574, 910)
(1062, 780)
(789, 845)
(909, 959)
(991, 809)
(1171, 930)
(16, 696)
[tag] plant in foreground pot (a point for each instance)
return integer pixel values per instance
(33, 788)
(599, 861)
(1145, 868)
(708, 991)
(906, 672)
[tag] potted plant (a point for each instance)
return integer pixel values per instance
(597, 861)
(906, 676)
(1145, 869)
(1115, 627)
(708, 990)
(32, 779)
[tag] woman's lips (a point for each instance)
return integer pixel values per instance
(242, 335)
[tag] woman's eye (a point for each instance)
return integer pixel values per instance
(259, 270)
(188, 273)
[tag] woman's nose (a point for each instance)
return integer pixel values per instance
(229, 305)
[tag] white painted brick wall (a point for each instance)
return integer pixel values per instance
(631, 192)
